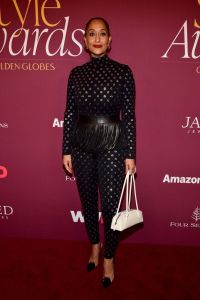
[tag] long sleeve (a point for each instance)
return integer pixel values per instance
(128, 113)
(70, 115)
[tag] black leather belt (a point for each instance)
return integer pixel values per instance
(98, 119)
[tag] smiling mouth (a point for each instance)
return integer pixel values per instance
(97, 46)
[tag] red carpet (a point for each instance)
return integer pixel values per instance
(56, 270)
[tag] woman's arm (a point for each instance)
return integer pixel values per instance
(70, 118)
(70, 115)
(128, 113)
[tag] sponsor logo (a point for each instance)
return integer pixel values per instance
(182, 36)
(31, 66)
(3, 172)
(3, 125)
(184, 45)
(195, 216)
(57, 123)
(175, 179)
(68, 178)
(56, 32)
(191, 125)
(5, 212)
(28, 21)
(77, 217)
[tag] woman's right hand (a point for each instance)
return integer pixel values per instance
(67, 162)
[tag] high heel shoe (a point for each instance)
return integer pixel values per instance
(91, 265)
(106, 281)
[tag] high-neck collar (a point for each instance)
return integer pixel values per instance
(100, 59)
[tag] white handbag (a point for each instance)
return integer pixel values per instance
(128, 217)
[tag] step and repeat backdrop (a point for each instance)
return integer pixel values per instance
(40, 42)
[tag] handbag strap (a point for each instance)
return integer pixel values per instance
(120, 200)
(128, 191)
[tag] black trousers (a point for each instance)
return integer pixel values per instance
(103, 171)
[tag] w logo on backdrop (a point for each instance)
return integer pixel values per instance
(77, 217)
(196, 214)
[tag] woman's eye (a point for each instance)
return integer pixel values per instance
(103, 33)
(91, 33)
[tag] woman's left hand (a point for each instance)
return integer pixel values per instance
(130, 165)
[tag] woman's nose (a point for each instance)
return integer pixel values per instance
(97, 38)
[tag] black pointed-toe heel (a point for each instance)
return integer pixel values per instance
(91, 266)
(106, 282)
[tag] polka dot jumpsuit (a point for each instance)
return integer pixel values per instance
(100, 87)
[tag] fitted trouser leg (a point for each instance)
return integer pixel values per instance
(106, 171)
(85, 170)
(111, 171)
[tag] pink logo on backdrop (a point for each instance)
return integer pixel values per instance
(195, 216)
(5, 212)
(182, 180)
(57, 123)
(191, 125)
(3, 125)
(3, 172)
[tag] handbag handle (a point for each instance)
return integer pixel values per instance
(120, 200)
(128, 192)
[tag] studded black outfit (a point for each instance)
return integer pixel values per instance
(100, 87)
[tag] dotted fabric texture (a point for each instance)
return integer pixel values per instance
(99, 87)
(106, 171)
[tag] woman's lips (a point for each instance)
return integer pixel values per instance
(97, 46)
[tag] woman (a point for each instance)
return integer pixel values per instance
(96, 142)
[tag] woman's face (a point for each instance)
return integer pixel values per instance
(97, 39)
